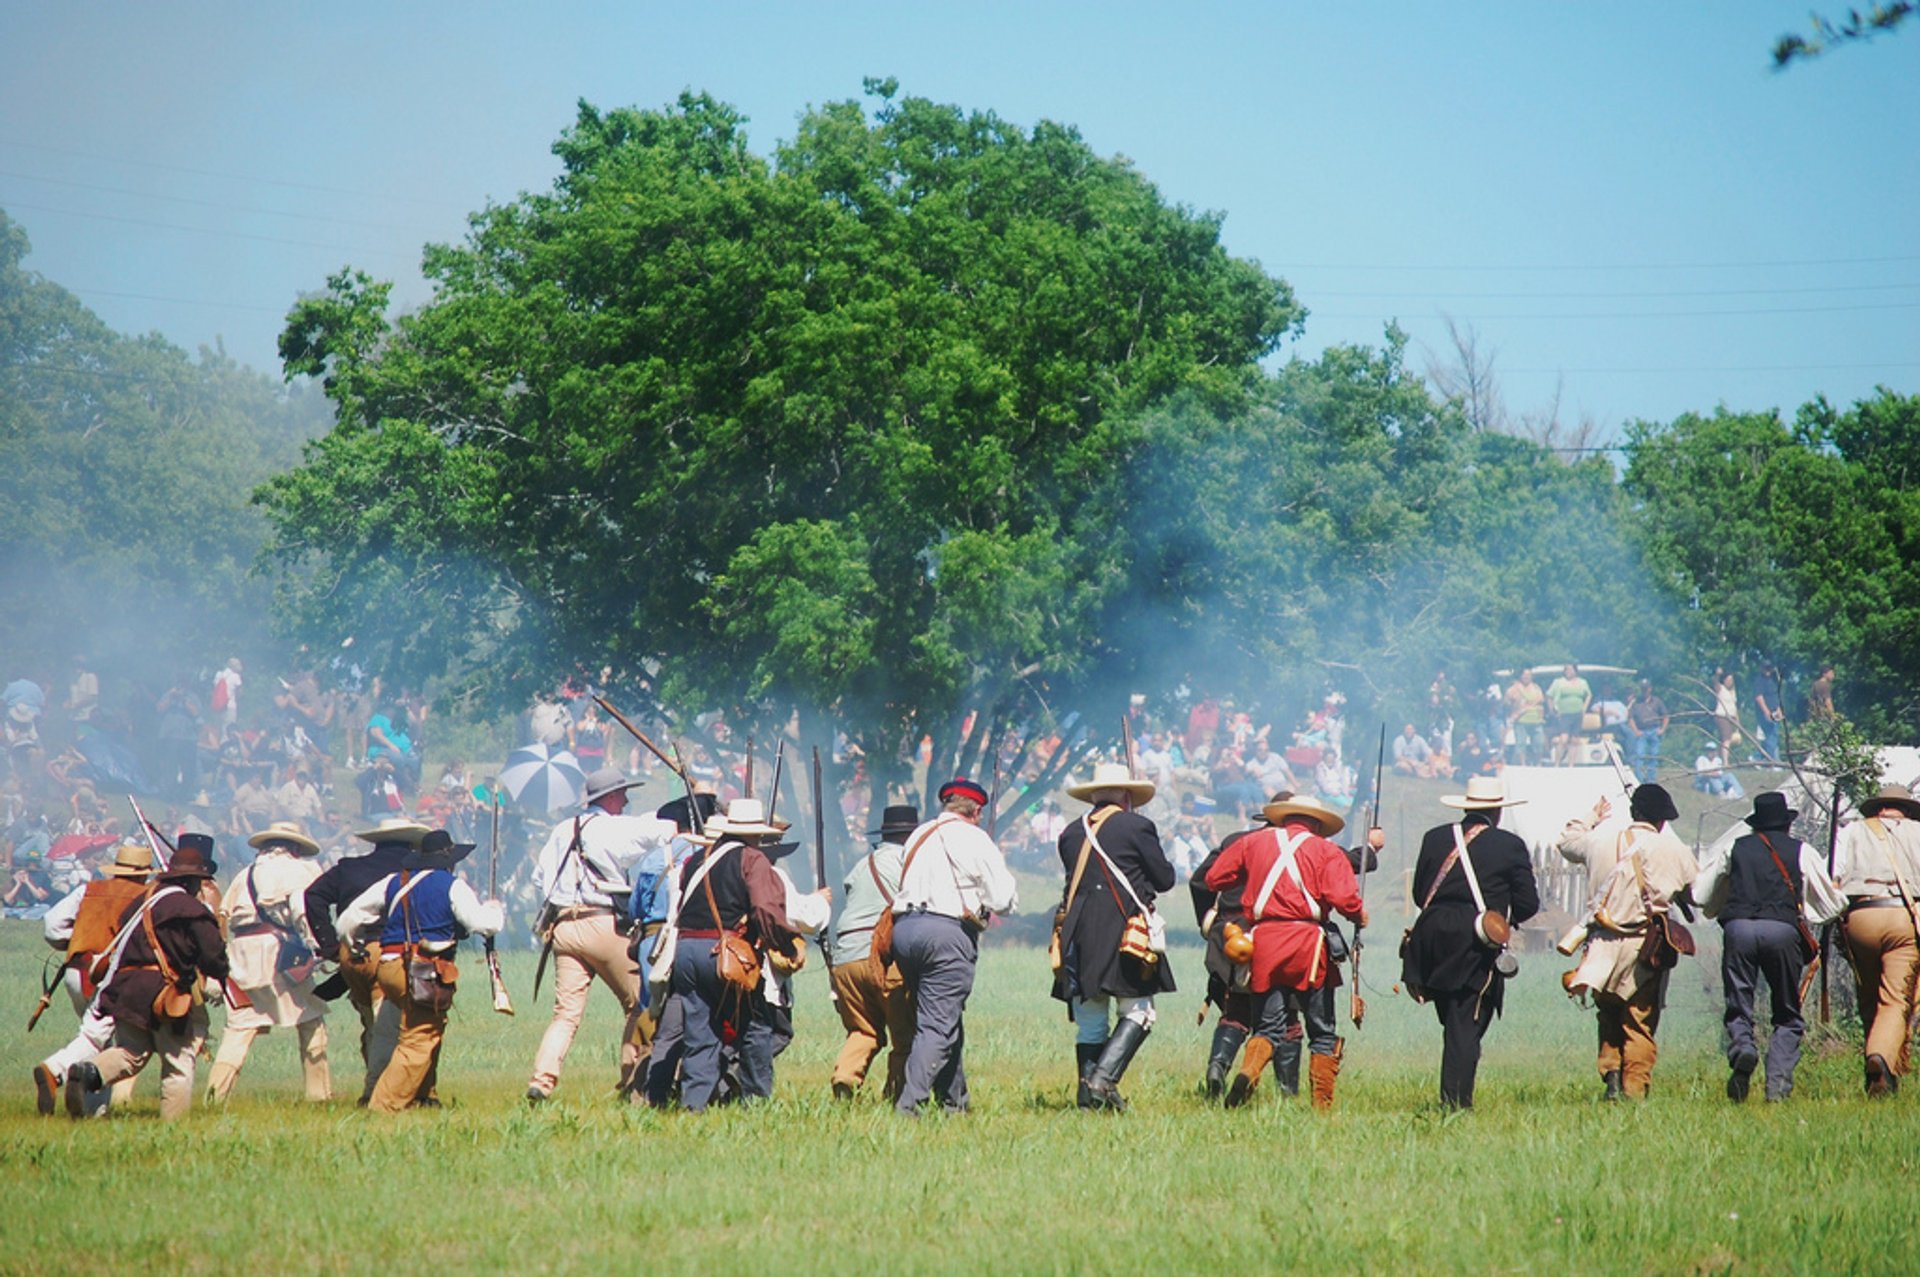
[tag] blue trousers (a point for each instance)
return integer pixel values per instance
(710, 1009)
(936, 956)
(1757, 947)
(1644, 756)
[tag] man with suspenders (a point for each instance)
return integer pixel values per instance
(872, 1000)
(1292, 878)
(1877, 867)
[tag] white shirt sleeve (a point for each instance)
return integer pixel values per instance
(620, 841)
(481, 919)
(1823, 902)
(366, 913)
(988, 870)
(807, 913)
(1710, 888)
(57, 926)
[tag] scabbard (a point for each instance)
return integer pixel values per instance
(546, 951)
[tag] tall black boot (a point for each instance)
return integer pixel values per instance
(1086, 1055)
(1286, 1064)
(1104, 1082)
(1227, 1041)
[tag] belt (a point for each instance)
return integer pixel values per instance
(1876, 902)
(703, 935)
(575, 912)
(252, 929)
(395, 950)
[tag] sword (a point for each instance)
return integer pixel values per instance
(501, 1001)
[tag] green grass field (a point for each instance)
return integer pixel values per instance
(1540, 1178)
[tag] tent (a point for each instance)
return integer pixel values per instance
(1899, 765)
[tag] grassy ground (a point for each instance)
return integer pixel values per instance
(1540, 1178)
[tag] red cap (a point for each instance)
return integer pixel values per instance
(964, 787)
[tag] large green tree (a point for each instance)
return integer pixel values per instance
(843, 430)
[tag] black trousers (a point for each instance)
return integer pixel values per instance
(1277, 1011)
(1465, 1016)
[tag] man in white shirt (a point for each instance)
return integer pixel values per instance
(953, 880)
(871, 998)
(1877, 866)
(578, 875)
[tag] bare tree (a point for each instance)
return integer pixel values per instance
(1469, 378)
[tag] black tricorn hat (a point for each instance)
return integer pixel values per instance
(1770, 811)
(437, 850)
(898, 820)
(679, 813)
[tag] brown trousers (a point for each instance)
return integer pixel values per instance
(1627, 1026)
(1885, 962)
(178, 1046)
(379, 1019)
(412, 1072)
(875, 1012)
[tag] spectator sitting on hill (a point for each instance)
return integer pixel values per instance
(1412, 756)
(1232, 788)
(1473, 758)
(1267, 769)
(1333, 781)
(1710, 774)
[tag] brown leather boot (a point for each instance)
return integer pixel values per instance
(1321, 1070)
(1252, 1061)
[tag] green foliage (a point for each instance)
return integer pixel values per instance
(1827, 34)
(838, 428)
(125, 472)
(1800, 542)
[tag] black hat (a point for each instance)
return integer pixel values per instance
(778, 850)
(1770, 811)
(898, 820)
(437, 850)
(680, 814)
(1653, 804)
(201, 843)
(962, 787)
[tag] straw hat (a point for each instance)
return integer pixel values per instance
(395, 829)
(1112, 776)
(1484, 793)
(1331, 822)
(130, 860)
(285, 831)
(1898, 797)
(745, 817)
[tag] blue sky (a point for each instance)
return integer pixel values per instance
(1621, 200)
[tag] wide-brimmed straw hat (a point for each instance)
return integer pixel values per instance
(130, 860)
(1898, 797)
(395, 829)
(1484, 793)
(607, 780)
(1331, 822)
(285, 831)
(745, 817)
(1112, 776)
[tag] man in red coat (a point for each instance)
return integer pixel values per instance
(1290, 876)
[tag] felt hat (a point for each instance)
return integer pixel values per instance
(745, 818)
(394, 829)
(898, 820)
(285, 831)
(680, 811)
(1652, 803)
(437, 850)
(964, 788)
(1770, 811)
(202, 843)
(189, 861)
(1484, 793)
(607, 780)
(1112, 776)
(1898, 797)
(130, 860)
(1330, 821)
(778, 850)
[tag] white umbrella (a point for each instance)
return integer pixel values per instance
(543, 777)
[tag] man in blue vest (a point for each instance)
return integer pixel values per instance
(420, 915)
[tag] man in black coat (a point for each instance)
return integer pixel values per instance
(1115, 868)
(1465, 871)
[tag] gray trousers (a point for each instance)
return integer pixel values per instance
(1756, 947)
(708, 1007)
(936, 956)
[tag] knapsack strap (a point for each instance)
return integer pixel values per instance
(1460, 841)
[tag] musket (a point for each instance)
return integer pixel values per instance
(1826, 930)
(779, 760)
(1126, 737)
(46, 990)
(155, 840)
(825, 938)
(501, 1001)
(747, 792)
(1357, 1005)
(993, 800)
(673, 764)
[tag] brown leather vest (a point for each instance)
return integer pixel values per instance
(101, 910)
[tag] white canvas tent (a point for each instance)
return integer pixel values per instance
(1899, 765)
